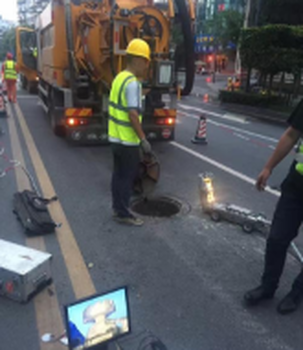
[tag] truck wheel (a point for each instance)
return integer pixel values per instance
(247, 227)
(58, 130)
(215, 216)
(23, 82)
(31, 88)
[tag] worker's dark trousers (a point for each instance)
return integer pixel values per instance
(126, 165)
(285, 227)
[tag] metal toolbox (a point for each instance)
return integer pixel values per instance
(23, 271)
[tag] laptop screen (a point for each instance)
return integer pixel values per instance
(94, 321)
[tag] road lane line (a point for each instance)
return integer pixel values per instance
(247, 132)
(48, 316)
(240, 136)
(22, 97)
(77, 270)
(227, 116)
(222, 167)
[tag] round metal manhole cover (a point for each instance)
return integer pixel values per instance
(162, 207)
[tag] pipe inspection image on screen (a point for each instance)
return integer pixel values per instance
(95, 321)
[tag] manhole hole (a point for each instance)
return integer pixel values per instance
(157, 207)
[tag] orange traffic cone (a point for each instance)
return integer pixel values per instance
(200, 136)
(206, 98)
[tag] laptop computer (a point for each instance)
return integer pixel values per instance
(93, 322)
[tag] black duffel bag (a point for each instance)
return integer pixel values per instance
(33, 213)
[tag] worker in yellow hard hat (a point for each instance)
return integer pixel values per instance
(10, 73)
(237, 84)
(230, 84)
(125, 131)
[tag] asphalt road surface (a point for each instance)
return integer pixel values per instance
(186, 274)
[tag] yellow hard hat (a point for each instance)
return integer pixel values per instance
(138, 47)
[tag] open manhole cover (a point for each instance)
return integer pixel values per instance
(161, 207)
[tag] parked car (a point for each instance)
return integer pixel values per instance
(201, 68)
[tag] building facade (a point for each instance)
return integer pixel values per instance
(206, 9)
(29, 9)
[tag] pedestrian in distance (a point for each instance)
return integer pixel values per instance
(125, 131)
(287, 219)
(10, 73)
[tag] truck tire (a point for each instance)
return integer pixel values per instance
(215, 216)
(31, 89)
(247, 227)
(58, 130)
(23, 82)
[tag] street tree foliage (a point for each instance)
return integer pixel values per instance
(273, 49)
(7, 43)
(281, 12)
(225, 27)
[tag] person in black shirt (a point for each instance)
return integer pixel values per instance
(287, 220)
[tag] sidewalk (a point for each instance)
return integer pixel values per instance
(203, 88)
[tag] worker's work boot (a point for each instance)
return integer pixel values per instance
(257, 295)
(290, 302)
(132, 220)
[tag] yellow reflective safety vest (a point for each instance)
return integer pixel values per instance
(120, 129)
(299, 159)
(35, 52)
(10, 71)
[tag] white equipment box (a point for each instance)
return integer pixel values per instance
(23, 271)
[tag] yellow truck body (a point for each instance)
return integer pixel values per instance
(81, 48)
(27, 62)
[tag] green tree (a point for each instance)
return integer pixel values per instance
(7, 43)
(273, 49)
(225, 27)
(280, 12)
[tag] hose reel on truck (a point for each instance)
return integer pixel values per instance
(81, 48)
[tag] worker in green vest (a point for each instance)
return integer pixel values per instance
(125, 131)
(10, 73)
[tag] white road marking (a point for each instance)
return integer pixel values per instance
(250, 133)
(222, 167)
(228, 116)
(242, 136)
(272, 147)
(26, 97)
(235, 118)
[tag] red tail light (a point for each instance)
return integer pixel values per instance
(166, 121)
(9, 286)
(72, 121)
(76, 122)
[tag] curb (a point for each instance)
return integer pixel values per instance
(279, 119)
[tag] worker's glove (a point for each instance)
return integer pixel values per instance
(146, 147)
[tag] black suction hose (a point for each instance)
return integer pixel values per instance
(188, 46)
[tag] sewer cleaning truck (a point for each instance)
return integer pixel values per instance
(81, 48)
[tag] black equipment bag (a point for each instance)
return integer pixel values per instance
(33, 213)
